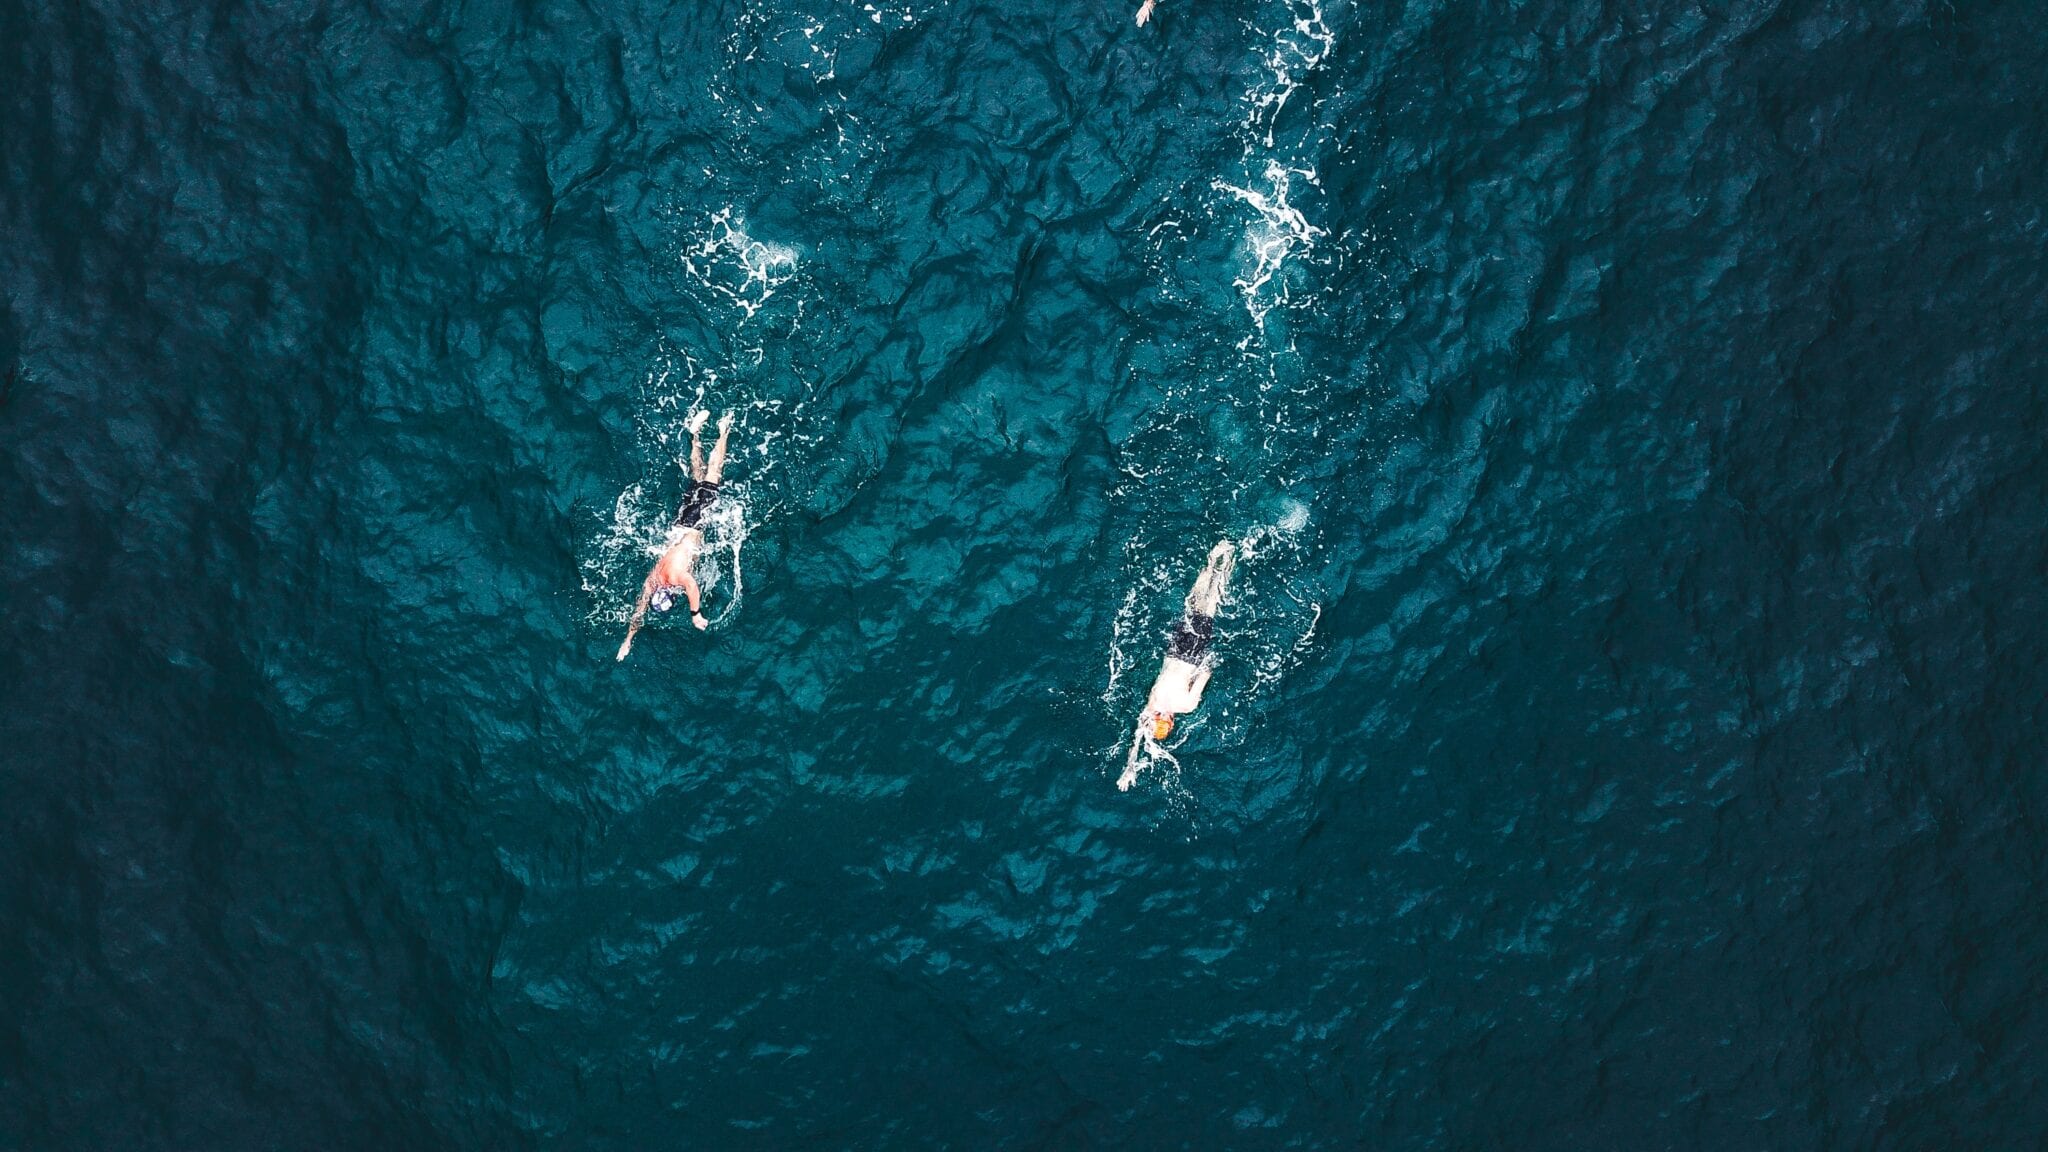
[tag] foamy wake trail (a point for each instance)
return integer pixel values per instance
(728, 262)
(1280, 231)
(1297, 48)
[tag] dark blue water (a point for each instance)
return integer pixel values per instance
(1626, 730)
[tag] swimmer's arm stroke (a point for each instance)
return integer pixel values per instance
(639, 612)
(690, 590)
(1130, 776)
(646, 595)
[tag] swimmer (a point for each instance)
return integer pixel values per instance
(1185, 671)
(671, 579)
(1145, 12)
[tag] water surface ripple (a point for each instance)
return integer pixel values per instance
(1626, 729)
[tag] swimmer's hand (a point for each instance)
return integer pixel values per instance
(1124, 782)
(698, 619)
(624, 648)
(1145, 12)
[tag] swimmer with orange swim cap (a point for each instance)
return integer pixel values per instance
(1185, 672)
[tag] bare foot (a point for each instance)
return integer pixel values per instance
(725, 424)
(697, 420)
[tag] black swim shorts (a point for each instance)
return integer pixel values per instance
(696, 502)
(1191, 637)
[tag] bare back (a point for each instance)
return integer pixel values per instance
(677, 563)
(1178, 688)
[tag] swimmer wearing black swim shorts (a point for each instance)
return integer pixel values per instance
(1191, 636)
(672, 579)
(696, 502)
(1185, 671)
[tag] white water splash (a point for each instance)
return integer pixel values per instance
(641, 529)
(1280, 231)
(1282, 541)
(731, 264)
(1297, 49)
(1120, 632)
(626, 543)
(1281, 533)
(725, 531)
(1266, 629)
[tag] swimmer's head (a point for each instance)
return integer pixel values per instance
(664, 599)
(1162, 725)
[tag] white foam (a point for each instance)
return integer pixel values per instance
(1266, 629)
(725, 530)
(1297, 48)
(625, 543)
(1281, 533)
(1279, 231)
(731, 264)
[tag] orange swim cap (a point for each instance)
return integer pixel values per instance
(1162, 725)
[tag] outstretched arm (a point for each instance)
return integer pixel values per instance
(639, 614)
(1130, 776)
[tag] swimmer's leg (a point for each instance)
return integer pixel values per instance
(716, 468)
(697, 420)
(1207, 594)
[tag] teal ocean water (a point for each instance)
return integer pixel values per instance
(1625, 728)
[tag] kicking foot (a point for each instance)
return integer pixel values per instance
(697, 420)
(725, 423)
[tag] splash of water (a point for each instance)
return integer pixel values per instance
(1271, 629)
(1279, 231)
(731, 264)
(1296, 50)
(725, 531)
(1281, 533)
